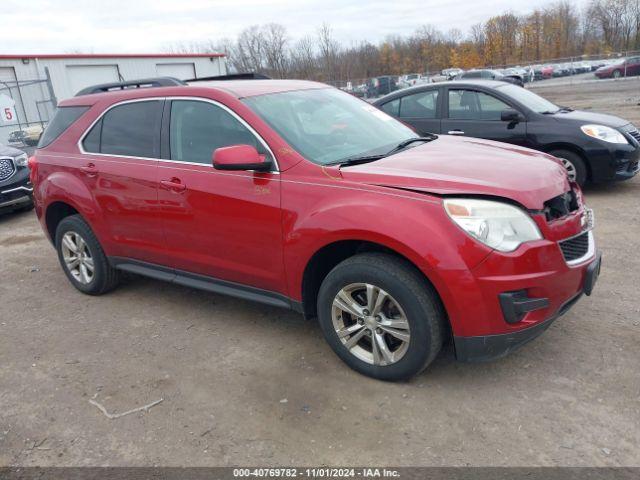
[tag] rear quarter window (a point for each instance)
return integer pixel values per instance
(62, 119)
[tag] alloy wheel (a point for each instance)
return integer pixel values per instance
(371, 324)
(571, 169)
(77, 257)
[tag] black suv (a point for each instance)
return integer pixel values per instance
(15, 188)
(592, 146)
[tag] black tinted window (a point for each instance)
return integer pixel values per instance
(419, 105)
(131, 129)
(391, 107)
(198, 128)
(91, 142)
(473, 105)
(62, 119)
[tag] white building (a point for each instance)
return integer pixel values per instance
(34, 83)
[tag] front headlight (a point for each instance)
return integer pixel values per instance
(606, 134)
(498, 225)
(21, 160)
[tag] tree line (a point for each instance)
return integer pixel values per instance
(559, 30)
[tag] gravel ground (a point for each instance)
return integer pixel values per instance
(245, 384)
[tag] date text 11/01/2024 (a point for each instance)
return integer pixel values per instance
(316, 473)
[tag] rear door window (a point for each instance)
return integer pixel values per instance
(420, 105)
(131, 130)
(391, 107)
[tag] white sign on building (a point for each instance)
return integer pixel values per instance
(7, 110)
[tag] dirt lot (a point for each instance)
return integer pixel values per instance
(246, 384)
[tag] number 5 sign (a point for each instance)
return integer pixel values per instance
(7, 110)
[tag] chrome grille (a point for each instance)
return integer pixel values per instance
(576, 247)
(7, 168)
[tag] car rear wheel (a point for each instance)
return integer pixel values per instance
(573, 163)
(82, 257)
(380, 317)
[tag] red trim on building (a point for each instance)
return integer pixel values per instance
(112, 55)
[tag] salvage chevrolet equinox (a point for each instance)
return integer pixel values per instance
(298, 195)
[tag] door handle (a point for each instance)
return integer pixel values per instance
(89, 170)
(455, 132)
(175, 185)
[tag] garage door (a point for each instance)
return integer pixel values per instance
(183, 71)
(81, 76)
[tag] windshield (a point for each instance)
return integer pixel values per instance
(529, 99)
(327, 125)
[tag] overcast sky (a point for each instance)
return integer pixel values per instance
(140, 26)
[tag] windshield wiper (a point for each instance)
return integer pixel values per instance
(347, 162)
(406, 143)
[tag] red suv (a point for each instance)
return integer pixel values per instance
(298, 195)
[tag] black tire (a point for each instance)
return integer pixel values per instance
(616, 74)
(105, 277)
(416, 297)
(577, 162)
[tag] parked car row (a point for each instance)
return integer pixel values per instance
(604, 68)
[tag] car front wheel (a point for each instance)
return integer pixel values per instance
(573, 163)
(380, 317)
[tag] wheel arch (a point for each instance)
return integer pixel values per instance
(571, 148)
(330, 255)
(55, 212)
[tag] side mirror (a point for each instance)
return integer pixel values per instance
(511, 115)
(240, 157)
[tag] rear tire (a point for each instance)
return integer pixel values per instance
(576, 169)
(82, 258)
(406, 319)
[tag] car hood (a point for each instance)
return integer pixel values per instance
(582, 117)
(7, 151)
(468, 166)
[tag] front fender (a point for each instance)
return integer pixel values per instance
(413, 225)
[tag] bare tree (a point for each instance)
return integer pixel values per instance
(275, 49)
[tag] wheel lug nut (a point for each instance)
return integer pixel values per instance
(365, 312)
(379, 331)
(378, 318)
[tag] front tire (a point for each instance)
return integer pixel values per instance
(380, 317)
(82, 258)
(574, 164)
(617, 74)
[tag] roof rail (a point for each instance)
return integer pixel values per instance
(232, 76)
(143, 83)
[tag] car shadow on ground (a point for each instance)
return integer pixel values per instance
(293, 329)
